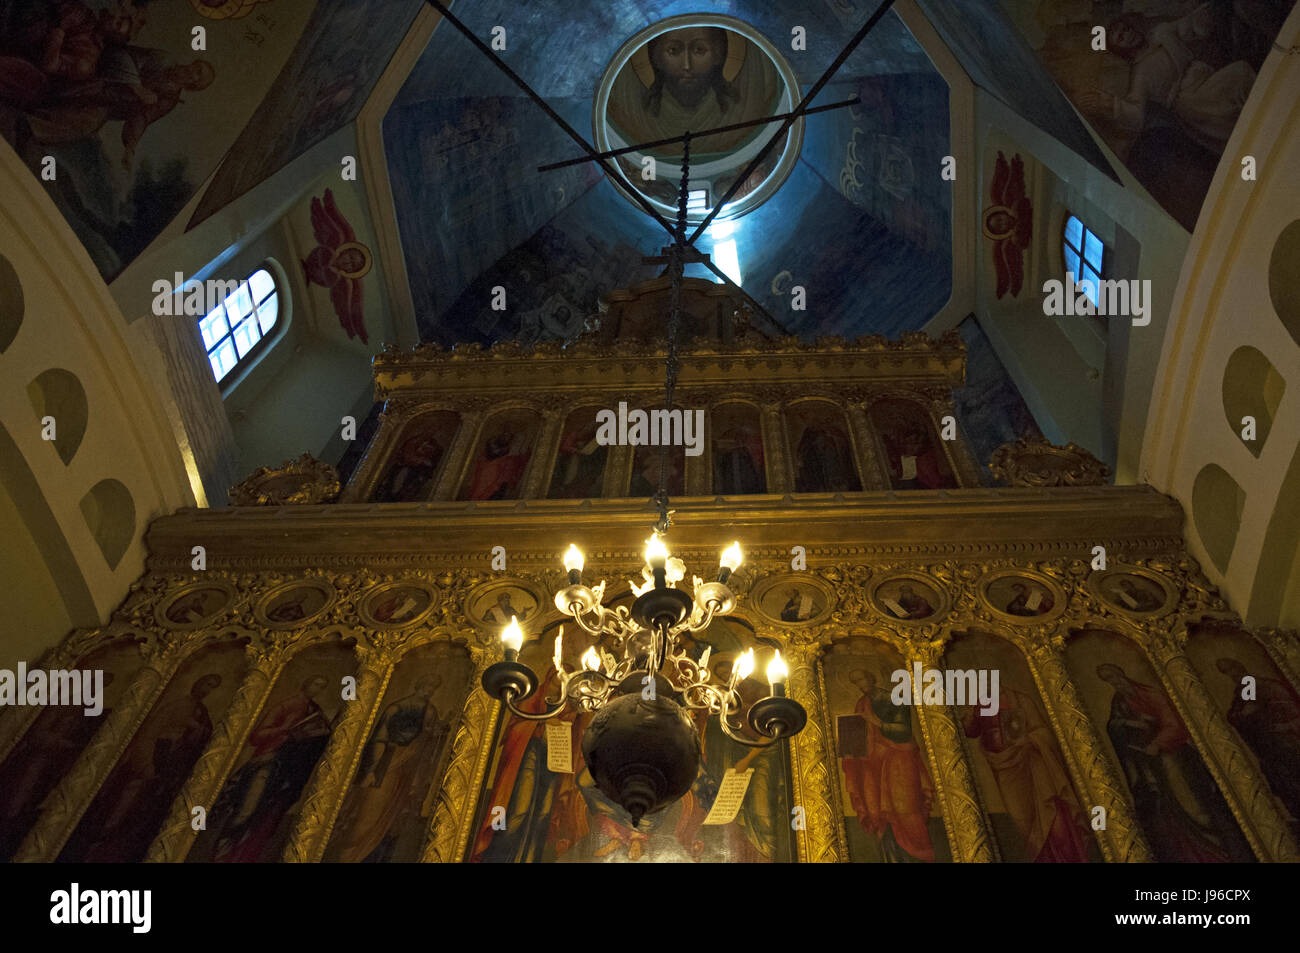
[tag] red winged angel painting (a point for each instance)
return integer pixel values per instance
(338, 263)
(1009, 223)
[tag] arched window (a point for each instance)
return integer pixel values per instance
(1085, 256)
(238, 329)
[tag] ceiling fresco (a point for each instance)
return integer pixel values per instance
(862, 223)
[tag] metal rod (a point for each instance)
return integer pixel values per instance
(698, 135)
(812, 93)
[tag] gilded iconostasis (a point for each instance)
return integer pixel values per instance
(314, 695)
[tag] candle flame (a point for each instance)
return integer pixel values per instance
(512, 637)
(777, 671)
(732, 557)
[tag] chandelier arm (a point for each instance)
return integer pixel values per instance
(550, 712)
(748, 743)
(719, 697)
(741, 739)
(704, 622)
(576, 612)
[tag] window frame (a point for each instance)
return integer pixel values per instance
(1067, 246)
(243, 365)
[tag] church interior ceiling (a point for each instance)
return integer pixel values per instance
(902, 513)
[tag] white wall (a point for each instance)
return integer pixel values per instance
(1101, 408)
(1222, 302)
(71, 322)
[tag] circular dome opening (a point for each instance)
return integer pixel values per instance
(692, 74)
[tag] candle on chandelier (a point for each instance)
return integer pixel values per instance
(777, 673)
(512, 637)
(559, 651)
(590, 660)
(730, 562)
(656, 557)
(742, 667)
(573, 562)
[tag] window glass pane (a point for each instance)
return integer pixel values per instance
(240, 304)
(1071, 262)
(213, 328)
(1091, 282)
(267, 312)
(246, 335)
(1092, 249)
(262, 283)
(1074, 232)
(223, 359)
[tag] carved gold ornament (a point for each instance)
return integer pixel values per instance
(305, 480)
(1031, 462)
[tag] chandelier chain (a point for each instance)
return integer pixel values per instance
(676, 270)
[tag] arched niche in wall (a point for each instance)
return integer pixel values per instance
(412, 469)
(109, 512)
(1036, 821)
(30, 504)
(580, 460)
(912, 449)
(499, 460)
(736, 445)
(1284, 278)
(1217, 502)
(1182, 812)
(11, 304)
(1252, 387)
(1275, 598)
(58, 393)
(823, 458)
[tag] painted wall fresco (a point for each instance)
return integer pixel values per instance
(891, 814)
(1265, 714)
(1167, 92)
(385, 816)
(134, 800)
(1021, 773)
(1181, 812)
(463, 153)
(51, 745)
(988, 45)
(339, 263)
(483, 231)
(989, 408)
(134, 118)
(1008, 221)
(695, 78)
(569, 62)
(875, 154)
(562, 817)
(342, 53)
(253, 815)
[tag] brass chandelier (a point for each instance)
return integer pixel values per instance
(642, 749)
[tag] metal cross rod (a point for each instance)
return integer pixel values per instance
(812, 94)
(641, 147)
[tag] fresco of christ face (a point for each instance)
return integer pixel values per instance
(689, 60)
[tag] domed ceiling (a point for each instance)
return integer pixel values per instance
(861, 218)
